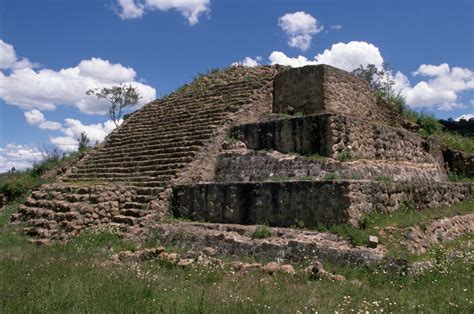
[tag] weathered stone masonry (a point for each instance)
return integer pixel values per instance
(328, 135)
(286, 204)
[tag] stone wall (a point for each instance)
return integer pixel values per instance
(329, 135)
(459, 162)
(367, 196)
(286, 204)
(322, 88)
(262, 166)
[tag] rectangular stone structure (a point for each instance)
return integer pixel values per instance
(321, 88)
(293, 203)
(329, 135)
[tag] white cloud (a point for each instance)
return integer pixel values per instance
(336, 27)
(346, 56)
(8, 59)
(130, 9)
(46, 89)
(439, 88)
(73, 129)
(7, 55)
(190, 9)
(248, 62)
(36, 118)
(278, 57)
(466, 117)
(300, 28)
(103, 70)
(18, 156)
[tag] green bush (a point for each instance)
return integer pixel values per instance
(261, 232)
(19, 185)
(331, 176)
(429, 124)
(345, 155)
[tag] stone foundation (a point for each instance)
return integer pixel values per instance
(330, 135)
(262, 166)
(310, 203)
(291, 245)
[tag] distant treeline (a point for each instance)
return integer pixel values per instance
(463, 127)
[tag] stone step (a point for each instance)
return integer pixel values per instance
(142, 152)
(264, 166)
(291, 203)
(202, 134)
(116, 151)
(157, 169)
(120, 172)
(170, 141)
(287, 244)
(172, 126)
(339, 137)
(132, 162)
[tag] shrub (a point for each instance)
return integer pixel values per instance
(345, 154)
(429, 124)
(261, 232)
(330, 176)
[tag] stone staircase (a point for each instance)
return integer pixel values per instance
(121, 181)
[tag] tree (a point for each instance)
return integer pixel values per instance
(380, 79)
(119, 96)
(83, 141)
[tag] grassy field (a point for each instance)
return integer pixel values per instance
(73, 278)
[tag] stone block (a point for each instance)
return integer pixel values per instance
(321, 88)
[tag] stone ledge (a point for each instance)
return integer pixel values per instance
(263, 166)
(329, 135)
(311, 203)
(292, 245)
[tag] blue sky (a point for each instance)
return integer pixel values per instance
(161, 44)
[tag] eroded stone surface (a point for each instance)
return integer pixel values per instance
(418, 240)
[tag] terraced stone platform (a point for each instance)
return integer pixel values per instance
(308, 203)
(244, 146)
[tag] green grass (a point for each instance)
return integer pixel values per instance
(73, 278)
(371, 223)
(331, 176)
(457, 142)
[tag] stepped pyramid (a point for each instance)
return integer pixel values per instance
(264, 145)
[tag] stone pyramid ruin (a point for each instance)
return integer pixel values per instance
(267, 145)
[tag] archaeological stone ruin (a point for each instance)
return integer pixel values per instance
(268, 145)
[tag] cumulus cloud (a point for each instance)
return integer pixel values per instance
(9, 60)
(73, 128)
(36, 118)
(130, 9)
(346, 56)
(190, 9)
(439, 86)
(7, 55)
(18, 156)
(248, 62)
(46, 89)
(300, 27)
